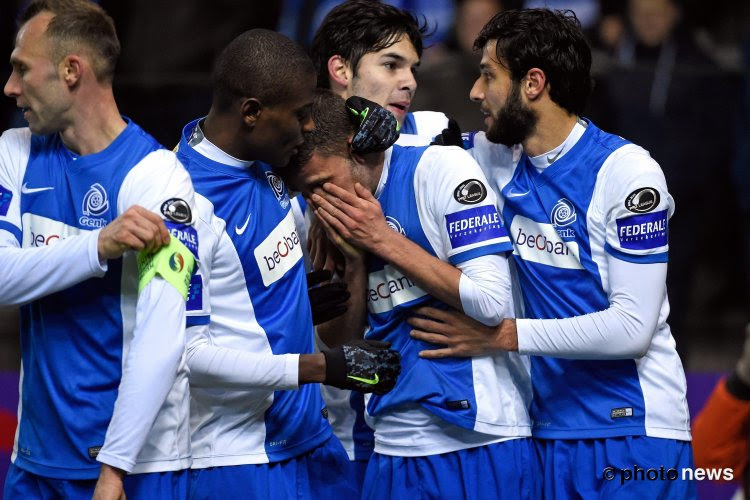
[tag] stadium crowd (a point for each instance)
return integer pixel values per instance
(332, 286)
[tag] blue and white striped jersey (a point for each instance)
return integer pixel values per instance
(249, 319)
(603, 200)
(346, 408)
(437, 197)
(97, 357)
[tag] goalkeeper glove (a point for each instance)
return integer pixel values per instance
(363, 365)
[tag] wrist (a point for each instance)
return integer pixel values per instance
(507, 336)
(111, 473)
(312, 368)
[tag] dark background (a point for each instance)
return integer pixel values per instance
(683, 95)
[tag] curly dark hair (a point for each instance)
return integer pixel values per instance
(549, 40)
(358, 27)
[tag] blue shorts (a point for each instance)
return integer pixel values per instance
(315, 475)
(620, 467)
(501, 470)
(162, 485)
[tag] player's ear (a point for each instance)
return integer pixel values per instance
(71, 68)
(250, 109)
(339, 71)
(534, 83)
(357, 157)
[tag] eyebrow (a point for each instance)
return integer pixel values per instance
(398, 57)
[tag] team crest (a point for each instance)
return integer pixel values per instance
(95, 204)
(277, 185)
(394, 224)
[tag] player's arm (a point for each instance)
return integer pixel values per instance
(217, 366)
(352, 271)
(158, 343)
(359, 219)
(636, 288)
(47, 263)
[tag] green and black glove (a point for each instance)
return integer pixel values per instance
(363, 365)
(377, 128)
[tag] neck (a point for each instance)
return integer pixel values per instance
(223, 131)
(553, 127)
(95, 122)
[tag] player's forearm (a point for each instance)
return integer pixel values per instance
(312, 368)
(622, 331)
(222, 367)
(32, 273)
(351, 324)
(439, 279)
(148, 373)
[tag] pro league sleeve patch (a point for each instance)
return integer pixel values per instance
(5, 196)
(474, 225)
(643, 232)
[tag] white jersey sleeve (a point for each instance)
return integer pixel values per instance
(213, 365)
(157, 349)
(498, 162)
(456, 208)
(31, 273)
(631, 196)
(430, 123)
(622, 331)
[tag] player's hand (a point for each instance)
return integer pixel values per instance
(363, 365)
(136, 229)
(327, 300)
(461, 335)
(327, 249)
(355, 217)
(450, 136)
(109, 485)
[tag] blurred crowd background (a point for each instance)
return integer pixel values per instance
(671, 75)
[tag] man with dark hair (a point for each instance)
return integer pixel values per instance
(372, 50)
(453, 428)
(258, 422)
(588, 214)
(104, 381)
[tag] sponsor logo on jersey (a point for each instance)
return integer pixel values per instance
(540, 242)
(474, 225)
(642, 200)
(187, 235)
(177, 210)
(394, 224)
(277, 185)
(40, 231)
(470, 192)
(5, 196)
(279, 252)
(643, 232)
(563, 213)
(95, 203)
(25, 189)
(389, 288)
(195, 294)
